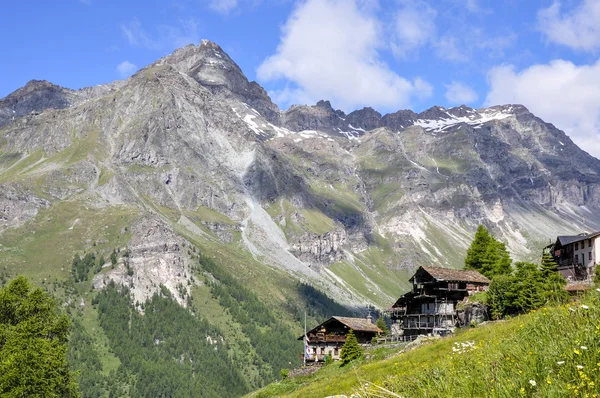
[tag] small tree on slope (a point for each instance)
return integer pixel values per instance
(350, 350)
(383, 326)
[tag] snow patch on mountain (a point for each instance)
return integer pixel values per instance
(475, 118)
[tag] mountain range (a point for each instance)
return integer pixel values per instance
(187, 153)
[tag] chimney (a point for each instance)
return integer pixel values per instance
(369, 318)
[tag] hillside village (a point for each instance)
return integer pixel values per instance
(441, 300)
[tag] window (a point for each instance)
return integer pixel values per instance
(335, 351)
(576, 259)
(590, 257)
(453, 286)
(590, 243)
(576, 245)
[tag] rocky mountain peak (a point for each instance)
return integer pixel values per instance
(35, 96)
(212, 67)
(325, 105)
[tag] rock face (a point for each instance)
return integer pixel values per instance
(35, 96)
(157, 257)
(350, 202)
(472, 313)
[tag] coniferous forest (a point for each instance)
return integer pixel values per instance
(118, 348)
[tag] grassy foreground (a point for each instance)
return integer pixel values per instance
(551, 352)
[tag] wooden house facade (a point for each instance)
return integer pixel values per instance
(327, 339)
(431, 306)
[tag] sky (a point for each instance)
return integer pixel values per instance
(386, 54)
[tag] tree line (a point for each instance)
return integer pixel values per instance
(517, 289)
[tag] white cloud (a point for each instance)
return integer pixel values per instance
(167, 37)
(458, 93)
(414, 27)
(223, 6)
(578, 28)
(449, 48)
(329, 49)
(126, 68)
(560, 92)
(475, 7)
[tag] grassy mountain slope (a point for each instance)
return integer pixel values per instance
(551, 352)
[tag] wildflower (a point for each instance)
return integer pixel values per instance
(583, 347)
(560, 362)
(577, 352)
(571, 309)
(533, 383)
(579, 367)
(598, 289)
(585, 307)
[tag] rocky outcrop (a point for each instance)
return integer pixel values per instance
(17, 206)
(157, 257)
(321, 250)
(472, 313)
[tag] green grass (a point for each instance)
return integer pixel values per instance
(8, 159)
(316, 222)
(532, 355)
(20, 167)
(209, 215)
(105, 176)
(90, 322)
(43, 247)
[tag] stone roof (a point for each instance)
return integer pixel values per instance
(356, 324)
(448, 274)
(568, 239)
(360, 324)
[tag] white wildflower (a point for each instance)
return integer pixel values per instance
(560, 362)
(598, 289)
(579, 367)
(585, 307)
(533, 383)
(583, 347)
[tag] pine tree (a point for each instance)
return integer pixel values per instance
(383, 326)
(548, 264)
(33, 344)
(477, 251)
(488, 255)
(350, 350)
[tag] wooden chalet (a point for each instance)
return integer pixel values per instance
(328, 338)
(431, 306)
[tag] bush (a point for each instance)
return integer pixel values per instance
(597, 275)
(284, 373)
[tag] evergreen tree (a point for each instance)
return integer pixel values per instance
(381, 324)
(33, 344)
(497, 295)
(488, 255)
(477, 251)
(350, 350)
(548, 264)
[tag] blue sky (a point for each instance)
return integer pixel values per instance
(386, 54)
